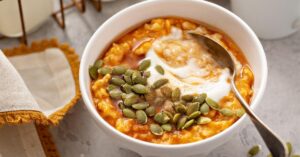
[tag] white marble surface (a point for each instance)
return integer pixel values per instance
(78, 136)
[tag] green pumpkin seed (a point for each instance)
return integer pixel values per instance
(147, 74)
(176, 94)
(161, 118)
(203, 120)
(93, 72)
(176, 118)
(129, 72)
(254, 151)
(169, 114)
(159, 83)
(289, 147)
(192, 107)
(141, 117)
(126, 88)
(129, 113)
(150, 111)
(140, 106)
(188, 124)
(179, 107)
(160, 69)
(187, 98)
(140, 89)
(167, 127)
(226, 112)
(104, 70)
(137, 77)
(200, 98)
(145, 64)
(130, 99)
(115, 94)
(111, 87)
(204, 109)
(156, 129)
(117, 81)
(211, 103)
(181, 122)
(166, 91)
(128, 80)
(158, 101)
(194, 115)
(121, 105)
(239, 112)
(119, 70)
(98, 64)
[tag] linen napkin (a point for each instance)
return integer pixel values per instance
(38, 83)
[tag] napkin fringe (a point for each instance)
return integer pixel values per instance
(19, 117)
(73, 60)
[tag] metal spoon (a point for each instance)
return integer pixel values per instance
(276, 146)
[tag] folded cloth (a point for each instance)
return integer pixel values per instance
(38, 83)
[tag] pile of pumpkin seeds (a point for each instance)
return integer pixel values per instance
(168, 109)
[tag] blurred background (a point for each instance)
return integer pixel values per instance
(78, 136)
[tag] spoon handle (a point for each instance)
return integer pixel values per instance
(276, 146)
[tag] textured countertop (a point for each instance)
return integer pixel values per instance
(78, 136)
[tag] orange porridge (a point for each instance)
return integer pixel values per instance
(159, 85)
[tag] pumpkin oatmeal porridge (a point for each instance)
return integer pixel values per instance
(159, 85)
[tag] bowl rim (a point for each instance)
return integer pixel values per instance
(96, 116)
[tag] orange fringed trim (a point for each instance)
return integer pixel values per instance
(47, 142)
(19, 117)
(73, 59)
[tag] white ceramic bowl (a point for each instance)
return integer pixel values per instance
(203, 11)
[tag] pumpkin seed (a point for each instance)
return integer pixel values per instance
(160, 69)
(204, 109)
(179, 107)
(158, 101)
(118, 70)
(187, 97)
(144, 65)
(226, 112)
(176, 94)
(194, 115)
(169, 114)
(136, 77)
(140, 106)
(93, 72)
(147, 74)
(111, 87)
(150, 111)
(203, 120)
(123, 96)
(141, 117)
(200, 98)
(211, 103)
(140, 89)
(290, 148)
(181, 122)
(121, 105)
(156, 129)
(130, 99)
(192, 107)
(104, 70)
(166, 127)
(126, 88)
(98, 64)
(166, 91)
(117, 81)
(176, 118)
(129, 113)
(188, 124)
(128, 80)
(128, 72)
(142, 81)
(239, 112)
(115, 94)
(159, 83)
(161, 118)
(254, 151)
